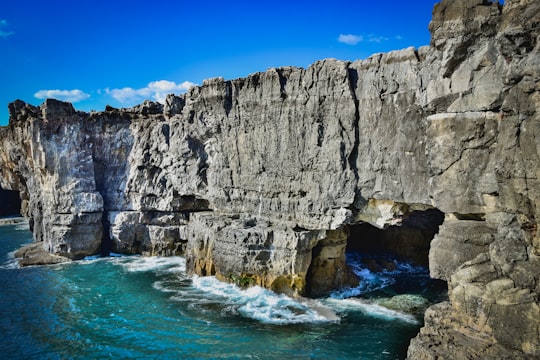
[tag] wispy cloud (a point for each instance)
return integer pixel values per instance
(376, 39)
(155, 90)
(75, 95)
(350, 39)
(3, 32)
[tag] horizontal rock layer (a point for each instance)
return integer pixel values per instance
(256, 180)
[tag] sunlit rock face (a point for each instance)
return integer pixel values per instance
(259, 180)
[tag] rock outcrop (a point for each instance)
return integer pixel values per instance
(258, 180)
(35, 254)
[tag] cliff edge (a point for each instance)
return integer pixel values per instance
(261, 180)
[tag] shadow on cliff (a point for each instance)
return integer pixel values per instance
(10, 203)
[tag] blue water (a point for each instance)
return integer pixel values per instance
(149, 308)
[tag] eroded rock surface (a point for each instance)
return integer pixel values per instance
(256, 180)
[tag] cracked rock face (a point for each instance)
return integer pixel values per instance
(256, 180)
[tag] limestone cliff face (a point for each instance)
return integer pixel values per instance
(257, 180)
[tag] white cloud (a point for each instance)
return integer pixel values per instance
(75, 95)
(350, 39)
(376, 39)
(155, 90)
(4, 33)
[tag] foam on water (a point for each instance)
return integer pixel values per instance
(22, 226)
(371, 281)
(11, 262)
(264, 305)
(152, 263)
(254, 303)
(356, 304)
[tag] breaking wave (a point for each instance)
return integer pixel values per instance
(207, 294)
(263, 305)
(11, 263)
(170, 264)
(372, 281)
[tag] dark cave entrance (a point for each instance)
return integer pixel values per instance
(10, 203)
(408, 242)
(393, 262)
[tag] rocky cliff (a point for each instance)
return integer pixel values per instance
(261, 180)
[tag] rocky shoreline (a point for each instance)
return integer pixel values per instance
(33, 254)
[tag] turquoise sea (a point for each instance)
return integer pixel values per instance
(133, 307)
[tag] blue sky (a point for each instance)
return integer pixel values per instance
(94, 52)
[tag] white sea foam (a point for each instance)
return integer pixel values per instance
(207, 294)
(165, 286)
(11, 263)
(152, 263)
(261, 304)
(23, 226)
(371, 281)
(355, 304)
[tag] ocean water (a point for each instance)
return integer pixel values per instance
(149, 308)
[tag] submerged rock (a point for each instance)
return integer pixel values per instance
(407, 303)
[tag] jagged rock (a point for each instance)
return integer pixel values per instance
(147, 233)
(259, 179)
(457, 242)
(276, 256)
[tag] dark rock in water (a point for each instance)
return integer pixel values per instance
(379, 265)
(35, 254)
(261, 179)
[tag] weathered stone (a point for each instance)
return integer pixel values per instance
(147, 233)
(279, 257)
(457, 242)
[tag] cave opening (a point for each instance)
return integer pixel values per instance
(10, 203)
(409, 241)
(392, 263)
